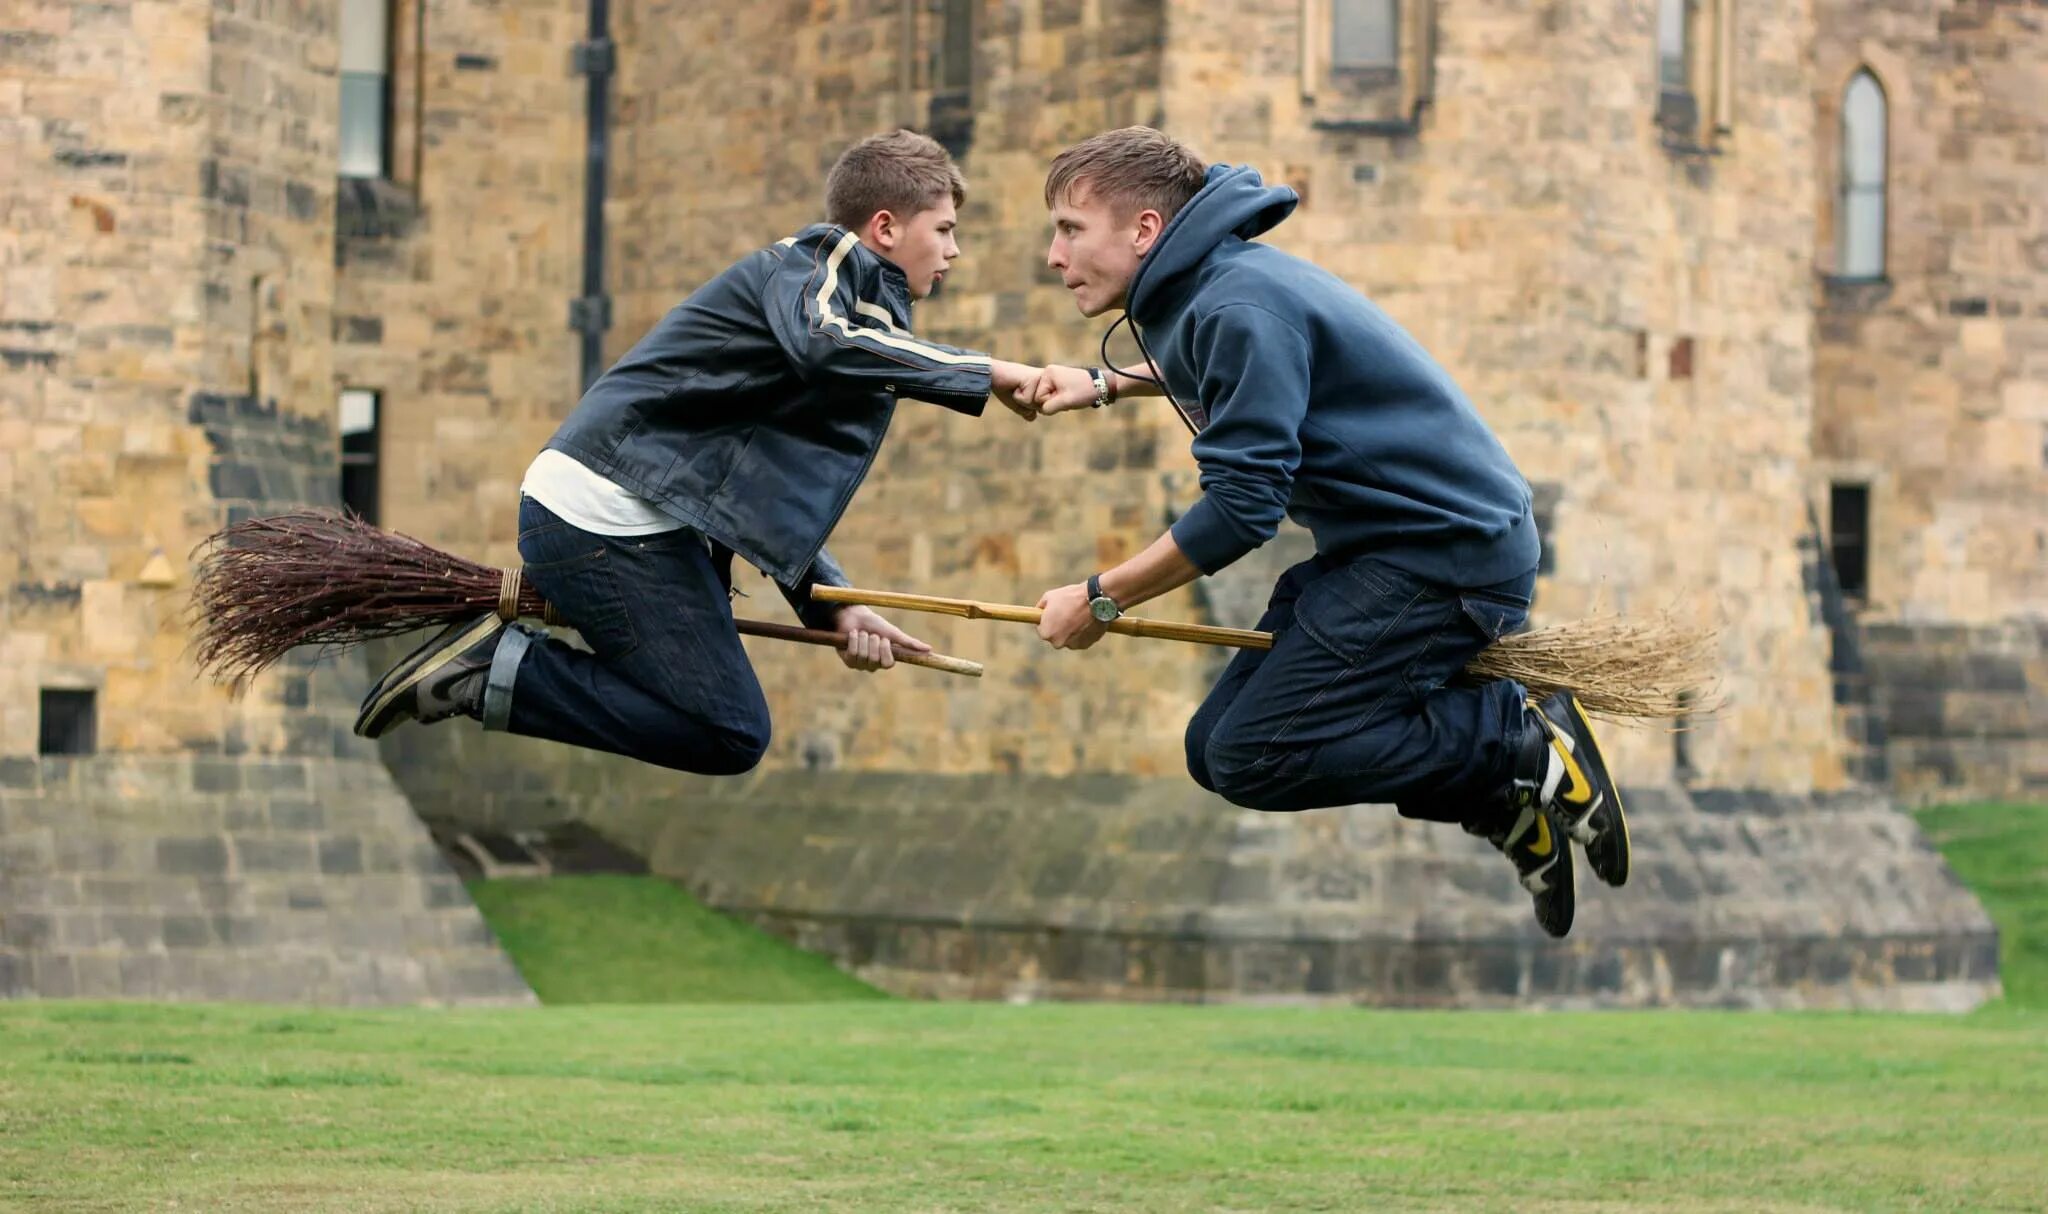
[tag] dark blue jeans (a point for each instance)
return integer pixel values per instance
(1358, 699)
(667, 681)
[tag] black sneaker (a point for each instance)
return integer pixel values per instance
(1531, 840)
(1587, 803)
(442, 678)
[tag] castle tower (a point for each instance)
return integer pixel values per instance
(1931, 384)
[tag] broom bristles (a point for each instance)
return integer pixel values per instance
(266, 586)
(1656, 668)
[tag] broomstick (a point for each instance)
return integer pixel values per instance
(266, 586)
(1620, 669)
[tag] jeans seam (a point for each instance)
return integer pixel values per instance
(611, 579)
(1406, 675)
(591, 562)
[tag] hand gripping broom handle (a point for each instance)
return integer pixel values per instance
(517, 598)
(834, 640)
(1163, 630)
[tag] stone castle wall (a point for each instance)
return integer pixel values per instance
(166, 293)
(1931, 386)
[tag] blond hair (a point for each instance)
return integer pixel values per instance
(1134, 168)
(901, 172)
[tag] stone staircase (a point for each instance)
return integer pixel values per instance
(298, 876)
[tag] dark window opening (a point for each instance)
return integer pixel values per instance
(69, 724)
(1849, 538)
(951, 122)
(1681, 358)
(360, 418)
(955, 67)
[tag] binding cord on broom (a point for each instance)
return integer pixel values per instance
(508, 594)
(509, 585)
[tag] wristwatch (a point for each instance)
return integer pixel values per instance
(1103, 395)
(1100, 605)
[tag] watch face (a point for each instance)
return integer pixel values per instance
(1104, 608)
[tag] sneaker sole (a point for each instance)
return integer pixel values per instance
(1557, 905)
(377, 716)
(1610, 852)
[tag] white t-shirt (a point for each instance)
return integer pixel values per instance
(584, 499)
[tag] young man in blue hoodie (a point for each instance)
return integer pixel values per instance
(740, 424)
(1307, 400)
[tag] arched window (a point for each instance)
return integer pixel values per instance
(1859, 216)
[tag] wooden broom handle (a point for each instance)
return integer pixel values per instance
(1162, 630)
(835, 640)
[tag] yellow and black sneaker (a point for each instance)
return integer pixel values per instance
(1530, 838)
(1578, 789)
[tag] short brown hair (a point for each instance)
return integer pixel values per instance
(902, 172)
(1134, 168)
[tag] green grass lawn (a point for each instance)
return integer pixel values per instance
(901, 1106)
(853, 1103)
(2001, 853)
(643, 940)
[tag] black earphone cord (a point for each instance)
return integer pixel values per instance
(1153, 379)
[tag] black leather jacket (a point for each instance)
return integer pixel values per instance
(753, 410)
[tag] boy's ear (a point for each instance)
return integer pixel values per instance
(883, 230)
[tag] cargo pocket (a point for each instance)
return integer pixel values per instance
(1495, 616)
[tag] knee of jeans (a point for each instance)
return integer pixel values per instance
(1240, 775)
(727, 750)
(1197, 744)
(746, 746)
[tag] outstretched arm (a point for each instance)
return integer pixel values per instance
(819, 309)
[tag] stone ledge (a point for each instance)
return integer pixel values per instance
(924, 960)
(181, 877)
(1124, 887)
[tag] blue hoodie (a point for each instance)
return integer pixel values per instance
(1312, 402)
